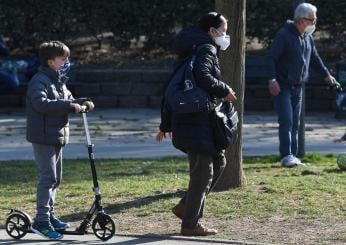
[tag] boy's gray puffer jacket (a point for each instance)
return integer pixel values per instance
(48, 103)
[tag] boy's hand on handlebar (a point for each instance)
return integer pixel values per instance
(76, 108)
(90, 105)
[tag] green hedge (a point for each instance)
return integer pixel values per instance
(264, 17)
(29, 22)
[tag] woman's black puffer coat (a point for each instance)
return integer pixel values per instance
(193, 132)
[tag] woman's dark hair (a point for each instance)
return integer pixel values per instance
(211, 19)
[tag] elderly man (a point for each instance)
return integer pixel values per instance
(288, 60)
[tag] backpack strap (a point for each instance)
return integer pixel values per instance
(194, 55)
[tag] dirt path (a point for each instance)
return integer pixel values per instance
(277, 230)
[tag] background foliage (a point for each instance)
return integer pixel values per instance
(264, 17)
(29, 22)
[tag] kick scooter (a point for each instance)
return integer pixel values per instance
(18, 223)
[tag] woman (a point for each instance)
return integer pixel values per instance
(192, 133)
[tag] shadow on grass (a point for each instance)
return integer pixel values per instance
(270, 166)
(142, 172)
(334, 170)
(261, 159)
(118, 207)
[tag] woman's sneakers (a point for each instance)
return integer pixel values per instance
(58, 224)
(45, 229)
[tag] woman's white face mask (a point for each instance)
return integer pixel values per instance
(223, 41)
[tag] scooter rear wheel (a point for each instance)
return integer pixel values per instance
(17, 225)
(103, 226)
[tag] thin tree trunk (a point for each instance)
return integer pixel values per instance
(233, 73)
(295, 3)
(301, 130)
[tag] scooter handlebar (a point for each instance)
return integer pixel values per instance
(84, 109)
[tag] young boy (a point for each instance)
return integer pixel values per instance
(48, 103)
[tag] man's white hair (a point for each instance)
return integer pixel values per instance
(303, 10)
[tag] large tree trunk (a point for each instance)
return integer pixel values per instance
(233, 72)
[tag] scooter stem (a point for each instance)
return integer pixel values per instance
(86, 127)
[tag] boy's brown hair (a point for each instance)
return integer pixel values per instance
(51, 50)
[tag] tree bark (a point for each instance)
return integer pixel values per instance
(301, 130)
(233, 73)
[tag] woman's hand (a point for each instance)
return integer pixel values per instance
(230, 97)
(160, 135)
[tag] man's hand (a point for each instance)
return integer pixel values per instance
(230, 97)
(274, 88)
(333, 84)
(330, 80)
(160, 135)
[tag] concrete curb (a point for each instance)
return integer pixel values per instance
(158, 237)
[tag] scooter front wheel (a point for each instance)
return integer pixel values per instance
(103, 226)
(17, 225)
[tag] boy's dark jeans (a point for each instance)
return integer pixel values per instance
(205, 171)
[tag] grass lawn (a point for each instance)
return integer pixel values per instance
(300, 205)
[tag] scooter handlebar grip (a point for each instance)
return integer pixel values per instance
(84, 109)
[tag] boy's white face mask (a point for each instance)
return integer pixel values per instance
(223, 41)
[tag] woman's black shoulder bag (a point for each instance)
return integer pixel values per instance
(225, 123)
